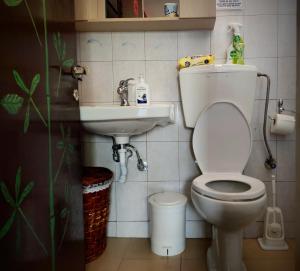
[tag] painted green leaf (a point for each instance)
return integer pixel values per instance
(63, 212)
(35, 81)
(62, 130)
(55, 43)
(18, 182)
(71, 148)
(12, 103)
(27, 190)
(20, 81)
(68, 63)
(67, 193)
(7, 225)
(63, 50)
(7, 196)
(60, 47)
(27, 120)
(68, 160)
(13, 3)
(60, 145)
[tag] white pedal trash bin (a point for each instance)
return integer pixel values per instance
(167, 223)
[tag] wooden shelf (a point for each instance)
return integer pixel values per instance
(145, 24)
(194, 14)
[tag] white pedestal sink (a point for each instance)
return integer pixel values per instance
(121, 122)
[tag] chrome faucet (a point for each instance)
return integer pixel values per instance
(123, 91)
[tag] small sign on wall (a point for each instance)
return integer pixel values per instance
(229, 4)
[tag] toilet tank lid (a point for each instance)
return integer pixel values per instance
(215, 68)
(168, 199)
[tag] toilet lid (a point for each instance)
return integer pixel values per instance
(222, 139)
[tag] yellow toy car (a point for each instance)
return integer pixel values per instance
(190, 61)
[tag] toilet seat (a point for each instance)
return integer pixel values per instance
(256, 188)
(222, 144)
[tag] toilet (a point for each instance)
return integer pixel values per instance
(218, 103)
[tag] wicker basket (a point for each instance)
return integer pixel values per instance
(96, 193)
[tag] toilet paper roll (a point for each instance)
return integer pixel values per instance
(283, 124)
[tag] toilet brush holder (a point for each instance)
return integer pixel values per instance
(274, 237)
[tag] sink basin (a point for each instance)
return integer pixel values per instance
(122, 122)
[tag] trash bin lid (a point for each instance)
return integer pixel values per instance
(168, 199)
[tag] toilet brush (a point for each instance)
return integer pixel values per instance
(273, 238)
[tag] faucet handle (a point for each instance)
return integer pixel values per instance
(125, 82)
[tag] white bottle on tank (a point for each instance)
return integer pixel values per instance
(142, 92)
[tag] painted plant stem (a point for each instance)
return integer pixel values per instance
(38, 111)
(18, 235)
(64, 231)
(33, 23)
(52, 221)
(59, 79)
(61, 162)
(32, 230)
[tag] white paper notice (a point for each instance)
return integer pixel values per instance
(229, 4)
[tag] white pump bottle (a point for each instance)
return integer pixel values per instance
(142, 92)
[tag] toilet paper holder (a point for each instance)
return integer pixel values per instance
(282, 124)
(281, 109)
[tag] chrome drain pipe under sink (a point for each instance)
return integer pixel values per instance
(121, 154)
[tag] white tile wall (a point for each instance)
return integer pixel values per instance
(268, 66)
(98, 86)
(162, 80)
(286, 155)
(261, 36)
(128, 46)
(258, 119)
(270, 35)
(256, 7)
(95, 46)
(161, 45)
(188, 169)
(255, 167)
(287, 35)
(287, 6)
(193, 42)
(287, 77)
(162, 161)
(132, 201)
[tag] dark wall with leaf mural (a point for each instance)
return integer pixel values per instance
(41, 224)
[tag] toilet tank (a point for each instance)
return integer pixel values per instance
(204, 85)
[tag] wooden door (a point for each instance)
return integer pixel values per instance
(41, 225)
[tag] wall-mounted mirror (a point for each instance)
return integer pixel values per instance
(141, 8)
(124, 8)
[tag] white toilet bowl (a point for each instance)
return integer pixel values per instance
(229, 202)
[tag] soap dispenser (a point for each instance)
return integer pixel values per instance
(142, 92)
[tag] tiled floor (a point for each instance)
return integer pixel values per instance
(129, 254)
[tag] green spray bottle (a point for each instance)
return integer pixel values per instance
(235, 52)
